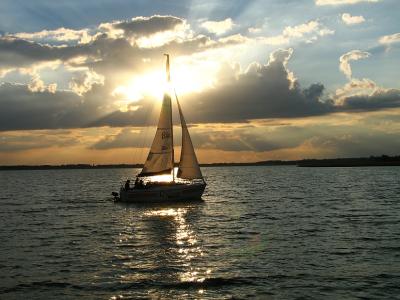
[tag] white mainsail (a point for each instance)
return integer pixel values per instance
(160, 158)
(188, 166)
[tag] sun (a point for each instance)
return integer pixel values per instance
(186, 77)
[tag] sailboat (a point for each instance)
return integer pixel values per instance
(187, 184)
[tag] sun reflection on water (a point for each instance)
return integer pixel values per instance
(188, 248)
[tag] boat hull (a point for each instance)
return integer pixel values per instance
(167, 193)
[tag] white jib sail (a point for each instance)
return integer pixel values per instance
(188, 166)
(160, 158)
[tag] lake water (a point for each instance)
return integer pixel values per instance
(261, 233)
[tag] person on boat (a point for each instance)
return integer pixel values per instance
(127, 185)
(139, 183)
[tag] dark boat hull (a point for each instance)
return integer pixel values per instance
(163, 193)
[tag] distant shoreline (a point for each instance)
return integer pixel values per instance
(383, 160)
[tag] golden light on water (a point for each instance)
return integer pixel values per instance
(187, 242)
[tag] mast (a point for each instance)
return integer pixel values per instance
(167, 69)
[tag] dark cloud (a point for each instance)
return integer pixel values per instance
(126, 138)
(36, 140)
(105, 52)
(355, 143)
(343, 140)
(260, 92)
(380, 99)
(114, 58)
(237, 139)
(327, 138)
(263, 91)
(132, 137)
(16, 52)
(252, 138)
(148, 25)
(20, 53)
(121, 119)
(22, 109)
(260, 98)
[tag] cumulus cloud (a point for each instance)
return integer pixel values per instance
(98, 67)
(352, 20)
(312, 30)
(94, 61)
(61, 34)
(218, 27)
(342, 2)
(362, 94)
(349, 56)
(84, 82)
(258, 92)
(300, 30)
(261, 91)
(136, 48)
(254, 29)
(37, 85)
(355, 87)
(112, 57)
(387, 40)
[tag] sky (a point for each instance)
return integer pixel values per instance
(82, 81)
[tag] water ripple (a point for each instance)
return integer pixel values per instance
(262, 232)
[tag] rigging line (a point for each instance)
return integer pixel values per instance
(179, 112)
(179, 106)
